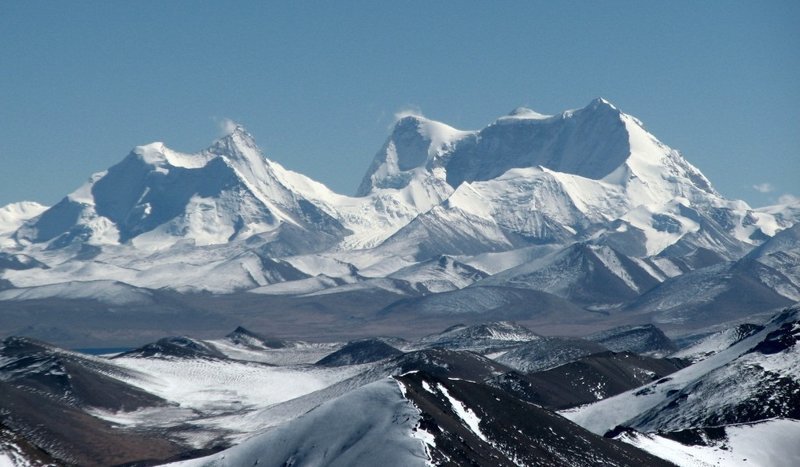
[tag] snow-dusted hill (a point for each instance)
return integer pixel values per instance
(546, 352)
(480, 338)
(717, 342)
(754, 379)
(579, 380)
(644, 340)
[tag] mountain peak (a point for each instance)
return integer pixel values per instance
(240, 133)
(601, 102)
(152, 153)
(409, 114)
(235, 127)
(228, 127)
(525, 113)
(240, 147)
(238, 138)
(411, 125)
(598, 106)
(408, 123)
(414, 145)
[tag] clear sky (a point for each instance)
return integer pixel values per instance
(318, 83)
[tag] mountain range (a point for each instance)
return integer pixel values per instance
(491, 394)
(577, 222)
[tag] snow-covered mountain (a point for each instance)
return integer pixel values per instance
(376, 415)
(770, 442)
(585, 213)
(597, 142)
(530, 174)
(157, 196)
(13, 215)
(766, 278)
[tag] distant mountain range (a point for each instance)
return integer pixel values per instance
(490, 394)
(582, 220)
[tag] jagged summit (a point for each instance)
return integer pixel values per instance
(601, 102)
(239, 142)
(412, 151)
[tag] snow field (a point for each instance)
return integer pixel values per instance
(210, 386)
(773, 443)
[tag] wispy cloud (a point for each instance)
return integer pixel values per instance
(225, 125)
(408, 111)
(764, 187)
(788, 198)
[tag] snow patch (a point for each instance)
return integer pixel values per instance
(464, 413)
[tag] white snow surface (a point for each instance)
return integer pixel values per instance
(772, 443)
(371, 425)
(781, 216)
(296, 353)
(13, 459)
(13, 215)
(555, 272)
(523, 113)
(207, 385)
(193, 269)
(513, 198)
(411, 153)
(215, 395)
(464, 413)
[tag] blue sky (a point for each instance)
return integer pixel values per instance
(318, 83)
